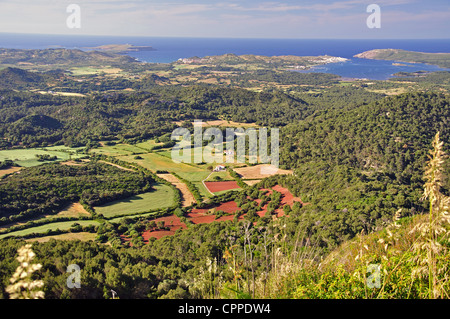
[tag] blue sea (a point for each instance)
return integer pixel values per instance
(172, 49)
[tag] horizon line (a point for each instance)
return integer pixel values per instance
(208, 37)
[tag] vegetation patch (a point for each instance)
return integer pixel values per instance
(156, 162)
(82, 236)
(34, 156)
(48, 228)
(162, 197)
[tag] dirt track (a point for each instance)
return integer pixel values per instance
(187, 199)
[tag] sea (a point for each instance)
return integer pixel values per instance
(170, 49)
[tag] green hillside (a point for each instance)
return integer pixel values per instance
(440, 59)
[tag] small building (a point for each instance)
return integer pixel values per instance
(219, 168)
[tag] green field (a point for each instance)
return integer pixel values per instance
(202, 189)
(89, 70)
(224, 176)
(168, 153)
(118, 150)
(155, 161)
(148, 145)
(162, 197)
(53, 226)
(27, 157)
(83, 236)
(118, 219)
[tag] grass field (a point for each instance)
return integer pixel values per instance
(72, 210)
(260, 171)
(86, 70)
(61, 93)
(224, 176)
(9, 170)
(162, 197)
(53, 226)
(118, 150)
(118, 219)
(148, 145)
(83, 236)
(187, 197)
(207, 151)
(154, 162)
(202, 189)
(27, 157)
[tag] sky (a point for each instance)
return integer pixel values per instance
(300, 19)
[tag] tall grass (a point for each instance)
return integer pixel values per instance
(430, 253)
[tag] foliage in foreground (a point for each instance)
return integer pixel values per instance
(408, 259)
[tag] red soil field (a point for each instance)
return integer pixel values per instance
(173, 222)
(227, 207)
(201, 216)
(286, 198)
(221, 186)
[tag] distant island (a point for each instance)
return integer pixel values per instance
(122, 48)
(439, 59)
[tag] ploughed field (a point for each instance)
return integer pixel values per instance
(206, 215)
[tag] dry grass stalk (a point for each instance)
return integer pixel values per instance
(22, 286)
(428, 248)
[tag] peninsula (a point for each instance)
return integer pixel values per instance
(439, 59)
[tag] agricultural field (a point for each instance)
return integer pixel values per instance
(61, 93)
(219, 176)
(203, 190)
(187, 198)
(51, 226)
(28, 157)
(75, 210)
(207, 215)
(148, 145)
(82, 236)
(260, 171)
(9, 170)
(117, 150)
(72, 210)
(162, 197)
(88, 70)
(216, 187)
(224, 123)
(197, 173)
(156, 162)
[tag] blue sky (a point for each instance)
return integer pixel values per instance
(223, 18)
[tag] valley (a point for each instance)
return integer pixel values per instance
(87, 175)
